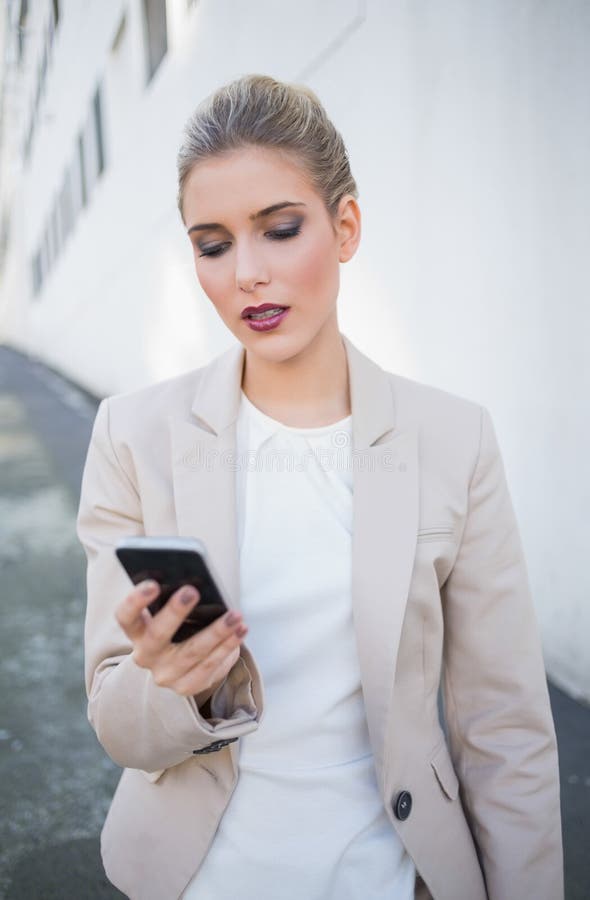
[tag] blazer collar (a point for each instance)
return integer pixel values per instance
(217, 399)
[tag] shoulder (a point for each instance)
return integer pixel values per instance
(145, 409)
(449, 425)
(416, 404)
(169, 393)
(424, 404)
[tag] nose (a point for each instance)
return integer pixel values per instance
(251, 268)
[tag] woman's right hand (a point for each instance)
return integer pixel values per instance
(196, 666)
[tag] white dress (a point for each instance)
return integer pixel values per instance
(305, 821)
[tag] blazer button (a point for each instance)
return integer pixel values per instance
(403, 805)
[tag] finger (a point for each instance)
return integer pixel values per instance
(169, 618)
(218, 677)
(180, 658)
(130, 612)
(203, 642)
(178, 662)
(225, 666)
(217, 664)
(192, 652)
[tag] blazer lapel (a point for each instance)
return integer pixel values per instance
(203, 468)
(385, 509)
(385, 528)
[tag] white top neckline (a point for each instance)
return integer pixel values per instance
(274, 424)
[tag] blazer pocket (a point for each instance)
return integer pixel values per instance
(443, 768)
(436, 533)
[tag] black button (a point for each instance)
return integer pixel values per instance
(216, 745)
(403, 806)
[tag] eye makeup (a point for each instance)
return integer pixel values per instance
(280, 233)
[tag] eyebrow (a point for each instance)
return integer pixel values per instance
(258, 215)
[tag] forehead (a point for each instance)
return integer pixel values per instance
(242, 182)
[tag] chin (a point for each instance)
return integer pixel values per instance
(274, 347)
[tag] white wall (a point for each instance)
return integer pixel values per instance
(468, 130)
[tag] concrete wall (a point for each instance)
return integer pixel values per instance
(468, 130)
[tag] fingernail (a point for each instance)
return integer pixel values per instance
(231, 618)
(148, 587)
(242, 631)
(188, 595)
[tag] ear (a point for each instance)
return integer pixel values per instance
(348, 226)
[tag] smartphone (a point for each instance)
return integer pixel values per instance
(172, 562)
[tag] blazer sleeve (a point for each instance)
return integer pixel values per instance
(140, 724)
(498, 716)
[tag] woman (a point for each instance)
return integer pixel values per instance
(294, 748)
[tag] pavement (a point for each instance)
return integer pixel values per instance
(57, 782)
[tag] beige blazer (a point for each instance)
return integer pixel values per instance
(439, 583)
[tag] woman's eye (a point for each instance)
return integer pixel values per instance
(277, 235)
(215, 251)
(284, 233)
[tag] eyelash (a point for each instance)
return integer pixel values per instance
(277, 236)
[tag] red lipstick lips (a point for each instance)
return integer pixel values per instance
(264, 318)
(259, 309)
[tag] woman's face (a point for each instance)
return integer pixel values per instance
(247, 254)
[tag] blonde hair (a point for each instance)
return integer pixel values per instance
(258, 110)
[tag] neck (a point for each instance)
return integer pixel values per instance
(307, 390)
